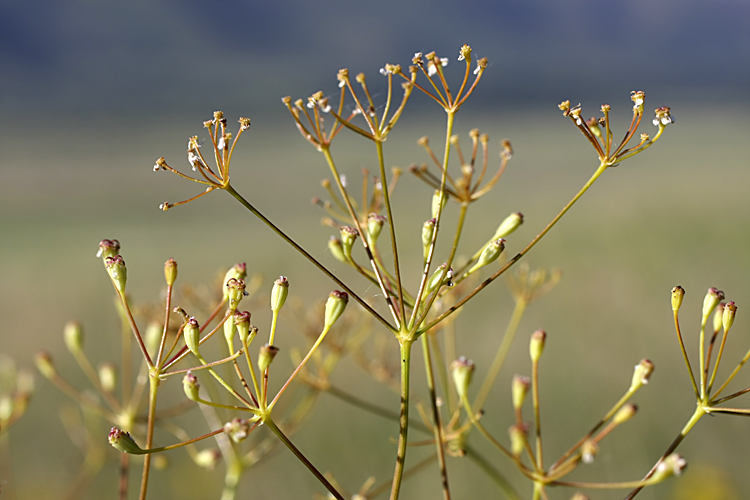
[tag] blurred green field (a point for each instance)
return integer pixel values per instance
(677, 214)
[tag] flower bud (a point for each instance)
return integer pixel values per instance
(509, 225)
(235, 292)
(170, 271)
(673, 465)
(229, 328)
(538, 339)
(490, 254)
(463, 372)
(279, 293)
(436, 200)
(518, 435)
(108, 377)
(237, 429)
(73, 336)
(428, 229)
(519, 390)
(192, 334)
(375, 224)
(712, 299)
(207, 458)
(266, 355)
(238, 272)
(348, 236)
(677, 294)
(624, 414)
(719, 316)
(124, 442)
(335, 306)
(435, 278)
(336, 249)
(642, 373)
(117, 271)
(589, 450)
(108, 248)
(44, 364)
(152, 337)
(191, 386)
(241, 321)
(730, 309)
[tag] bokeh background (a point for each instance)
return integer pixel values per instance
(92, 92)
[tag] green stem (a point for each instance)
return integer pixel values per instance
(271, 425)
(684, 355)
(398, 473)
(153, 389)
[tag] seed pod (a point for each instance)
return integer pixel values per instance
(348, 236)
(124, 442)
(235, 291)
(490, 254)
(673, 465)
(279, 293)
(536, 347)
(192, 334)
(108, 248)
(241, 321)
(229, 328)
(710, 301)
(266, 355)
(519, 390)
(463, 372)
(730, 309)
(625, 413)
(642, 373)
(191, 387)
(507, 226)
(428, 229)
(518, 434)
(335, 306)
(170, 271)
(44, 364)
(73, 336)
(117, 271)
(375, 224)
(336, 249)
(238, 272)
(677, 294)
(436, 200)
(108, 377)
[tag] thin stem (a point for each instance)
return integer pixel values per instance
(398, 473)
(537, 418)
(718, 360)
(134, 327)
(153, 388)
(309, 257)
(684, 354)
(271, 425)
(702, 356)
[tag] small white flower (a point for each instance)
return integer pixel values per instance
(341, 83)
(444, 61)
(222, 144)
(326, 108)
(193, 159)
(384, 71)
(310, 104)
(431, 70)
(460, 56)
(477, 69)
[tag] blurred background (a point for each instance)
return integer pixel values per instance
(91, 93)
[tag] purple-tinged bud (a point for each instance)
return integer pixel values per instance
(73, 336)
(238, 272)
(107, 377)
(375, 224)
(348, 236)
(191, 386)
(336, 249)
(279, 293)
(673, 465)
(428, 230)
(124, 442)
(192, 334)
(519, 390)
(235, 291)
(712, 299)
(241, 321)
(44, 364)
(266, 355)
(117, 271)
(677, 295)
(108, 248)
(641, 374)
(508, 225)
(335, 306)
(170, 271)
(237, 429)
(536, 347)
(730, 309)
(518, 434)
(463, 372)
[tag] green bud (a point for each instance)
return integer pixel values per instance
(335, 306)
(436, 200)
(266, 355)
(642, 373)
(336, 249)
(677, 294)
(625, 413)
(428, 229)
(463, 372)
(152, 337)
(730, 309)
(207, 458)
(375, 224)
(237, 429)
(241, 321)
(435, 278)
(6, 410)
(124, 442)
(117, 271)
(712, 299)
(536, 347)
(170, 271)
(519, 390)
(279, 293)
(192, 334)
(673, 465)
(238, 272)
(229, 328)
(348, 236)
(44, 364)
(235, 291)
(518, 435)
(191, 386)
(73, 336)
(508, 225)
(719, 317)
(108, 377)
(108, 248)
(490, 254)
(589, 450)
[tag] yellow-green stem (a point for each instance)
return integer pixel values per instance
(153, 389)
(403, 432)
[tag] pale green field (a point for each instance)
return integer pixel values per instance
(677, 214)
